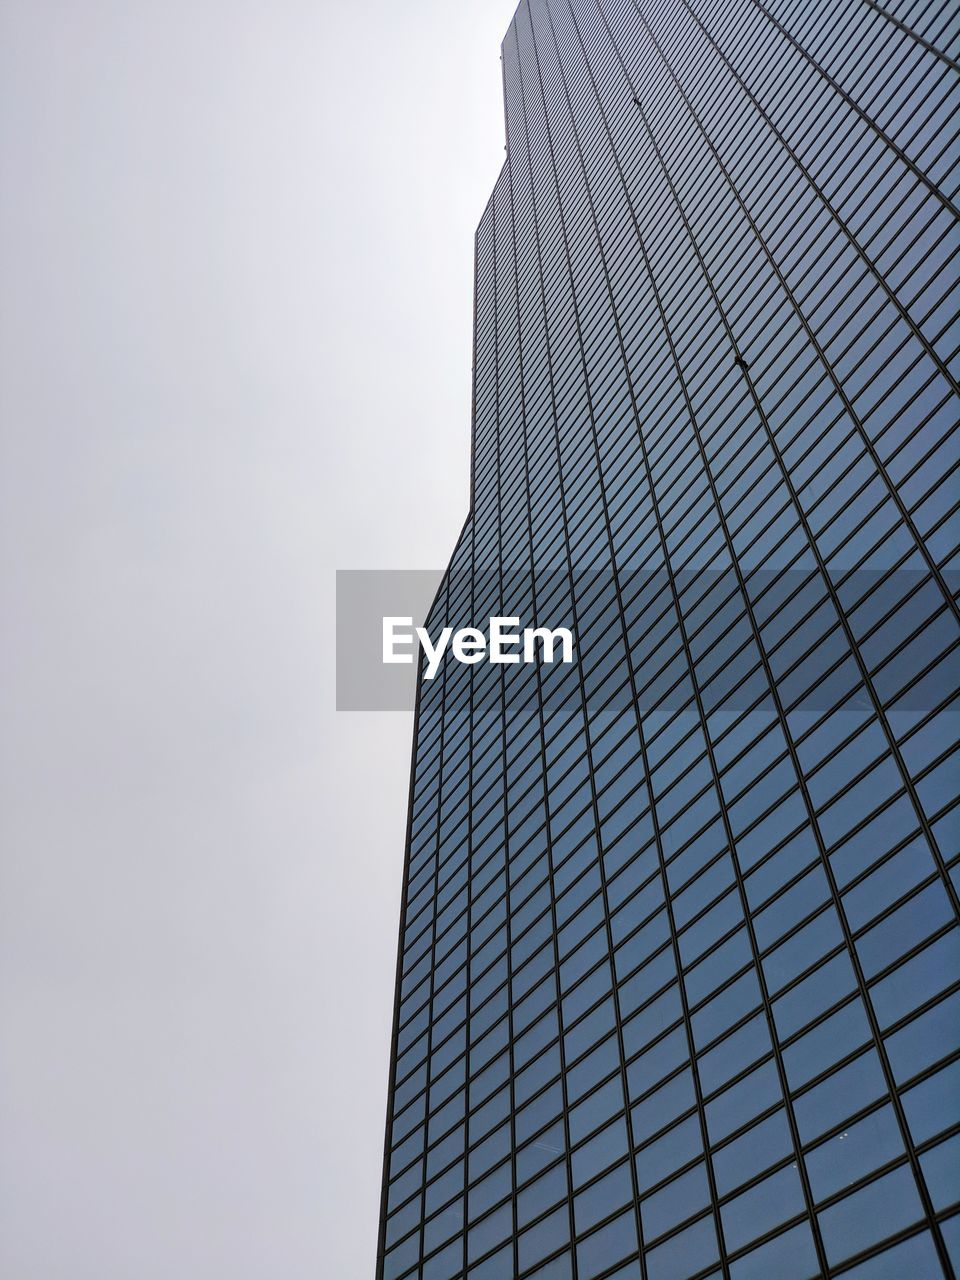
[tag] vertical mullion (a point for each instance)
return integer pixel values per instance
(567, 1156)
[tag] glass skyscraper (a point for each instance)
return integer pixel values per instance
(679, 979)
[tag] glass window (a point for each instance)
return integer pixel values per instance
(891, 880)
(589, 1031)
(490, 1152)
(802, 949)
(862, 849)
(757, 1149)
(490, 1231)
(849, 1156)
(719, 965)
(497, 1265)
(812, 996)
(951, 1238)
(843, 814)
(914, 1257)
(400, 1223)
(904, 928)
(827, 1042)
(532, 1117)
(664, 1056)
(548, 1234)
(667, 1154)
(933, 1105)
(737, 1105)
(684, 1254)
(790, 1256)
(560, 1268)
(541, 1195)
(446, 1264)
(756, 1211)
(398, 1261)
(726, 1008)
(843, 1093)
(870, 1215)
(542, 1151)
(734, 1054)
(441, 1189)
(791, 907)
(595, 1109)
(918, 979)
(586, 994)
(678, 1200)
(602, 1198)
(664, 1105)
(603, 1061)
(941, 1172)
(608, 1145)
(405, 1185)
(925, 1040)
(618, 1239)
(661, 1013)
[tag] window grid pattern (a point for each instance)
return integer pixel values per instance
(678, 987)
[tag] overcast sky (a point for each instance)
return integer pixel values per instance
(235, 326)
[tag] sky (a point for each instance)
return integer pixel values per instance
(236, 242)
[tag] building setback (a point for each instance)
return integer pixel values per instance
(679, 978)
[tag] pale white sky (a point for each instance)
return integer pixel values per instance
(236, 246)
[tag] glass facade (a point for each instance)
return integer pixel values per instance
(679, 978)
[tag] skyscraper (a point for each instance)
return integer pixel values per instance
(679, 979)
